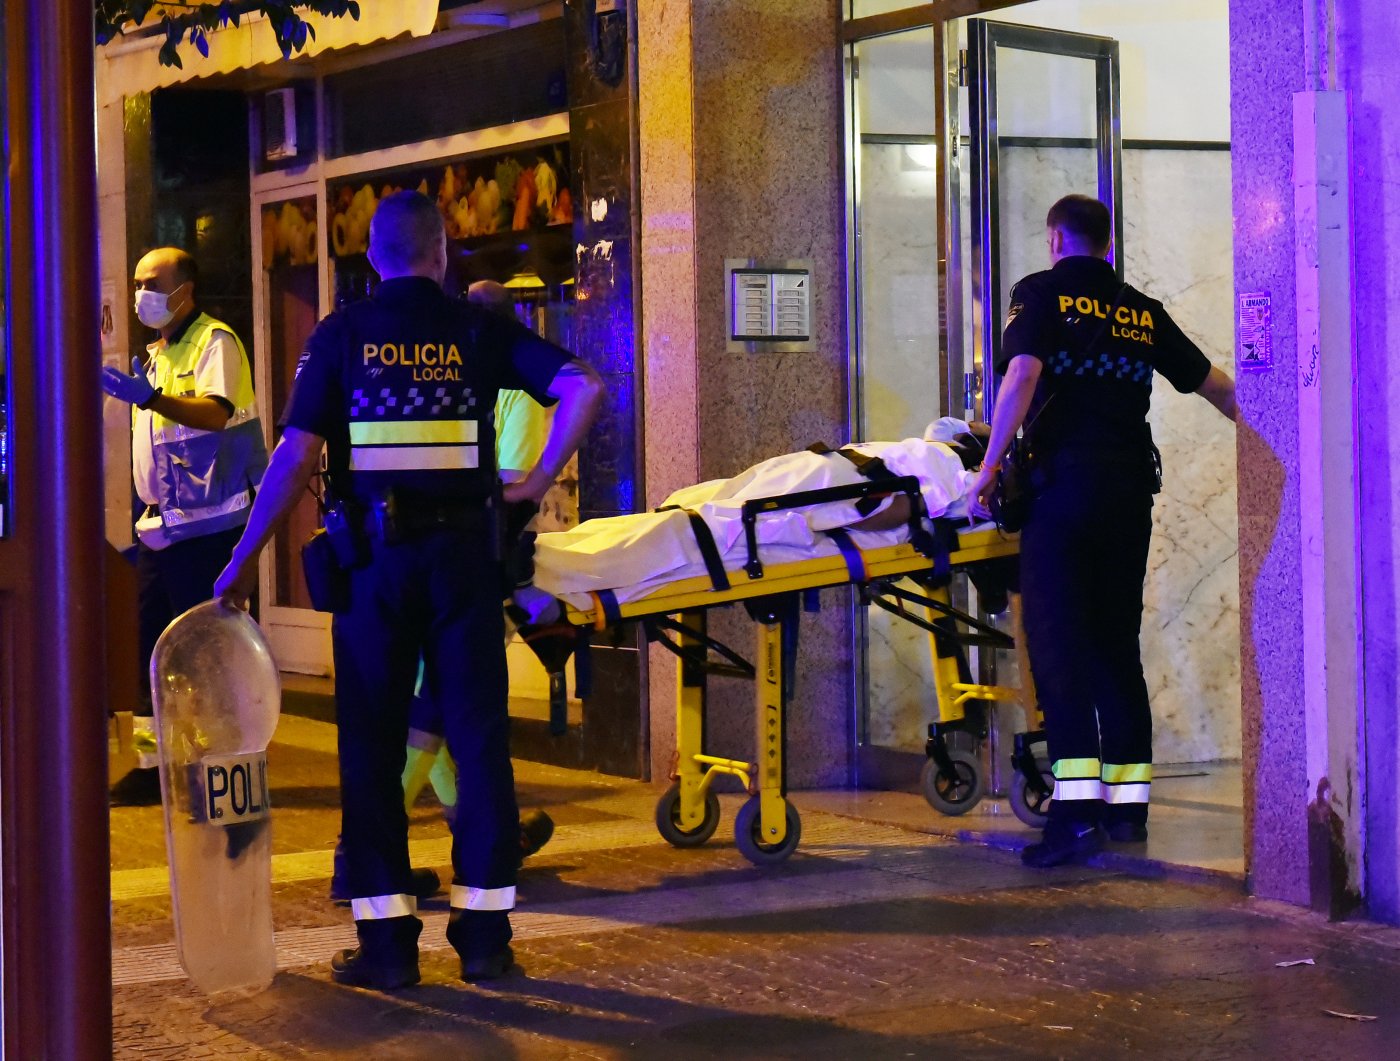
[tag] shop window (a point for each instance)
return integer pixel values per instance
(509, 218)
(494, 80)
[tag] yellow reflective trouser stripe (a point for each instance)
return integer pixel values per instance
(1126, 773)
(1070, 768)
(409, 432)
(411, 458)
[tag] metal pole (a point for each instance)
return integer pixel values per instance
(57, 943)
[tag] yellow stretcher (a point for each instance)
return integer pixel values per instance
(896, 578)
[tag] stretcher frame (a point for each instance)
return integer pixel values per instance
(768, 828)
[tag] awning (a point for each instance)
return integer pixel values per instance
(126, 67)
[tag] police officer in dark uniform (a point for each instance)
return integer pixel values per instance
(400, 389)
(1078, 358)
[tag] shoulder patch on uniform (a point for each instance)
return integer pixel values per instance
(301, 363)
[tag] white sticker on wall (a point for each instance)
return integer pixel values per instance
(1256, 332)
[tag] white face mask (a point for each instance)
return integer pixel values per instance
(153, 308)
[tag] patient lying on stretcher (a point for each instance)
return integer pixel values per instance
(632, 555)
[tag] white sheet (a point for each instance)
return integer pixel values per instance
(634, 554)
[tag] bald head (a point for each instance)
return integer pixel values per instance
(406, 237)
(493, 296)
(165, 269)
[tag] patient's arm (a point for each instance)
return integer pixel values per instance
(895, 514)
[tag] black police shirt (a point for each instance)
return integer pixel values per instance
(403, 388)
(1099, 354)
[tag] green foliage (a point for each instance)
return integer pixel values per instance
(193, 22)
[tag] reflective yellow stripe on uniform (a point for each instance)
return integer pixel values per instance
(1127, 782)
(1126, 773)
(378, 907)
(464, 898)
(1076, 779)
(1073, 768)
(413, 445)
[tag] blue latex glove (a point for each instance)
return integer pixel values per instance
(135, 388)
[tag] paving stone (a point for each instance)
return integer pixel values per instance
(871, 942)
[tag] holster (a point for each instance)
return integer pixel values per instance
(327, 582)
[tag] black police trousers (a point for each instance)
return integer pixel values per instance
(436, 594)
(171, 581)
(1083, 564)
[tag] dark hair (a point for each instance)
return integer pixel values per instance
(405, 230)
(1084, 218)
(186, 269)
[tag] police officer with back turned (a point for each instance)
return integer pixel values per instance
(1078, 358)
(400, 389)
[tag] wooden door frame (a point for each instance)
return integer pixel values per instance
(54, 846)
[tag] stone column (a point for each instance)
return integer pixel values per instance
(1368, 38)
(1316, 532)
(740, 138)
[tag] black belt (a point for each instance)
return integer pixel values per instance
(709, 549)
(418, 518)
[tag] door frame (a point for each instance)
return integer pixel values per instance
(983, 39)
(873, 766)
(300, 637)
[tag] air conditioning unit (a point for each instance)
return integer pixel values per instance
(279, 124)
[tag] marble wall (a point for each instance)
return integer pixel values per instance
(1177, 246)
(1266, 68)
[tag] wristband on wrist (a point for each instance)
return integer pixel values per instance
(151, 400)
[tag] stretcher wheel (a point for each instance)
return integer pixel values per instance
(668, 819)
(749, 838)
(955, 793)
(1026, 803)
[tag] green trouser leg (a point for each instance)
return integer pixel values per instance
(418, 765)
(444, 778)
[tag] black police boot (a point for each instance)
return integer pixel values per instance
(536, 828)
(1127, 833)
(481, 939)
(387, 957)
(1063, 842)
(424, 885)
(1126, 823)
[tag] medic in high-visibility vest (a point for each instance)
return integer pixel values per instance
(197, 455)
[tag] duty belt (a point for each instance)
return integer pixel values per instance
(411, 520)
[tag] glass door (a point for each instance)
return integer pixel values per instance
(961, 133)
(1044, 116)
(899, 367)
(1044, 122)
(289, 303)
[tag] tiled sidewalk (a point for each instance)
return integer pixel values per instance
(873, 941)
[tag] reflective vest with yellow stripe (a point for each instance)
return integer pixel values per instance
(205, 479)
